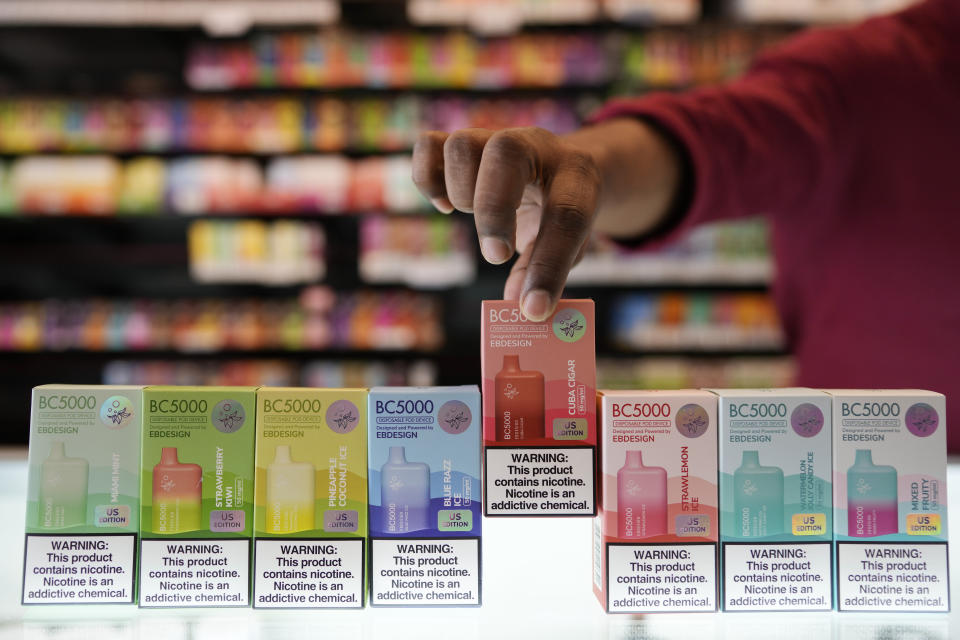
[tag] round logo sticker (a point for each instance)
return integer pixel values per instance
(116, 412)
(806, 420)
(922, 419)
(569, 325)
(692, 420)
(342, 416)
(228, 416)
(454, 417)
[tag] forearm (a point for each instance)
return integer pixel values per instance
(641, 172)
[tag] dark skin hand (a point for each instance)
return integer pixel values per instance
(539, 194)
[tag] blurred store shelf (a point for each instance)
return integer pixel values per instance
(218, 17)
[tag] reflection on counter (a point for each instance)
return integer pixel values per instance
(807, 626)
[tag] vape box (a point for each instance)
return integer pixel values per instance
(655, 538)
(196, 498)
(310, 511)
(83, 495)
(539, 410)
(890, 500)
(776, 500)
(424, 457)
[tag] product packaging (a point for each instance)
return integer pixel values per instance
(311, 498)
(83, 495)
(890, 500)
(196, 516)
(775, 499)
(424, 459)
(539, 411)
(655, 538)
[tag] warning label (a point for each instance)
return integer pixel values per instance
(892, 577)
(315, 574)
(777, 577)
(194, 573)
(72, 569)
(545, 481)
(425, 571)
(661, 577)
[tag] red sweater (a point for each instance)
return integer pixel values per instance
(848, 140)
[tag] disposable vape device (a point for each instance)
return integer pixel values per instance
(758, 497)
(519, 402)
(176, 494)
(404, 493)
(290, 494)
(641, 499)
(63, 489)
(871, 497)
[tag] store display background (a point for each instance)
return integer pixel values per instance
(536, 584)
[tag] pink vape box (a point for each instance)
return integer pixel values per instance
(655, 538)
(539, 410)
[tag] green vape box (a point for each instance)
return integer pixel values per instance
(311, 498)
(776, 503)
(83, 495)
(197, 482)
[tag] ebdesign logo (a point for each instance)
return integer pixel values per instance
(454, 416)
(228, 416)
(569, 325)
(922, 419)
(342, 416)
(116, 412)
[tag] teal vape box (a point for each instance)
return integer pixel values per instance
(775, 499)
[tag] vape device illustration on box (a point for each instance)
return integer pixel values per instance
(871, 497)
(176, 494)
(63, 489)
(758, 497)
(290, 494)
(519, 402)
(641, 499)
(404, 493)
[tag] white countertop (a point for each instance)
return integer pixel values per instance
(536, 584)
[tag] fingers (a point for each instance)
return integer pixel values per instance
(568, 213)
(428, 169)
(461, 162)
(518, 274)
(510, 161)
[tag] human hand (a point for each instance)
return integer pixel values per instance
(529, 191)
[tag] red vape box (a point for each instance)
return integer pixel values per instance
(539, 410)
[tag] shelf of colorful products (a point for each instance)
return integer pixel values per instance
(340, 59)
(493, 16)
(662, 372)
(423, 252)
(316, 321)
(279, 372)
(654, 372)
(730, 253)
(265, 125)
(368, 320)
(486, 16)
(216, 16)
(696, 321)
(107, 186)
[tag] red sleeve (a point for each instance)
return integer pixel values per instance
(788, 129)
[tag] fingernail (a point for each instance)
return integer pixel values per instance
(442, 204)
(537, 304)
(495, 250)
